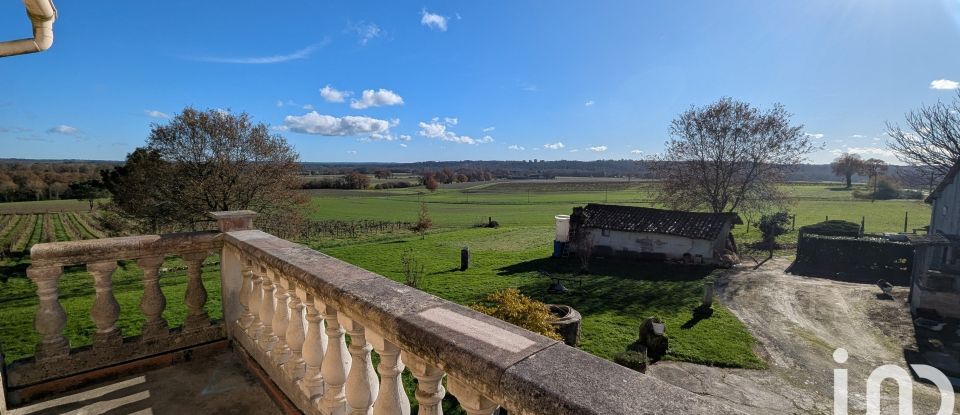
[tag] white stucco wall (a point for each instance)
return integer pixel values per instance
(945, 218)
(946, 210)
(673, 246)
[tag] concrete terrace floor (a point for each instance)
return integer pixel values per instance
(214, 385)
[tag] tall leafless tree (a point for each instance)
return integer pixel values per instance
(931, 140)
(846, 166)
(729, 156)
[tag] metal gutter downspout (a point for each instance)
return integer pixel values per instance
(42, 14)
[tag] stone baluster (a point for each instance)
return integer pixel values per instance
(49, 319)
(294, 368)
(281, 351)
(152, 303)
(246, 287)
(267, 339)
(471, 400)
(336, 363)
(105, 310)
(313, 347)
(196, 295)
(362, 387)
(393, 400)
(256, 302)
(430, 389)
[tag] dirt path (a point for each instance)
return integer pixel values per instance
(798, 323)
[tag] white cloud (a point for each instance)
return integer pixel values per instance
(156, 114)
(451, 120)
(260, 60)
(489, 129)
(858, 136)
(433, 20)
(403, 145)
(354, 152)
(389, 137)
(438, 130)
(574, 150)
(944, 84)
(279, 103)
(875, 151)
(598, 149)
(63, 129)
(589, 103)
(365, 31)
(526, 86)
(381, 97)
(331, 94)
(328, 125)
(636, 152)
(816, 136)
(555, 146)
(516, 147)
(308, 107)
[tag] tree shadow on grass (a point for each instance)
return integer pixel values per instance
(15, 268)
(13, 271)
(610, 267)
(619, 286)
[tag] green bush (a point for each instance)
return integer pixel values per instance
(517, 309)
(832, 228)
(632, 359)
(887, 189)
(772, 226)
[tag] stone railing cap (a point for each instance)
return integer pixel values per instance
(232, 214)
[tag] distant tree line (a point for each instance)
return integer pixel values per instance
(25, 180)
(546, 169)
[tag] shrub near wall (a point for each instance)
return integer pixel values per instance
(864, 259)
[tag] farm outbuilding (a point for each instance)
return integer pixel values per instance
(648, 233)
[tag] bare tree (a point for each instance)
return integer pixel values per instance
(212, 160)
(846, 166)
(424, 223)
(931, 141)
(873, 169)
(728, 156)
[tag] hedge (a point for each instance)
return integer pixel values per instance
(859, 258)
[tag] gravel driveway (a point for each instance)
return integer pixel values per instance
(799, 322)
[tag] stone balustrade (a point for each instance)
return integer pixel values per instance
(54, 358)
(291, 309)
(312, 323)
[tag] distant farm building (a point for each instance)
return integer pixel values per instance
(647, 233)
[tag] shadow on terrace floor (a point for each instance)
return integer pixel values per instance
(214, 385)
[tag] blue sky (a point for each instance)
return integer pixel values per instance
(409, 81)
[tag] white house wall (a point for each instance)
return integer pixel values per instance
(945, 217)
(946, 211)
(671, 245)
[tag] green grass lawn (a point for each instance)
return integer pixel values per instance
(614, 299)
(19, 302)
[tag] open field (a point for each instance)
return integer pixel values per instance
(613, 298)
(44, 206)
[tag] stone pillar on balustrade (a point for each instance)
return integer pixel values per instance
(231, 264)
